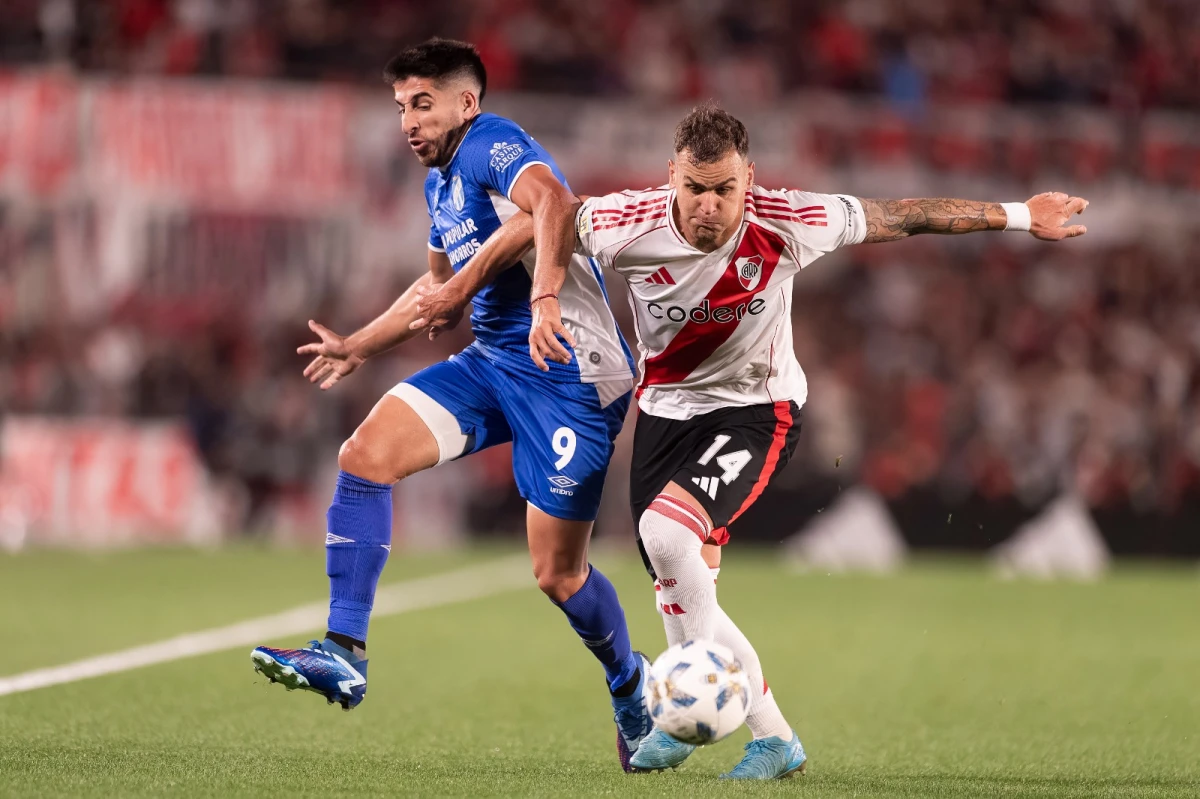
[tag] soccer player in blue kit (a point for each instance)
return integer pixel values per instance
(483, 168)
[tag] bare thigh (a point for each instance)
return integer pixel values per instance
(390, 444)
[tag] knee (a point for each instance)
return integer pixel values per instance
(558, 584)
(361, 458)
(656, 538)
(669, 536)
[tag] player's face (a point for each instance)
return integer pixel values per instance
(432, 114)
(709, 198)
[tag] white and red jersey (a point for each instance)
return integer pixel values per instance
(714, 329)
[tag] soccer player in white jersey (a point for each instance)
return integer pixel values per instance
(710, 259)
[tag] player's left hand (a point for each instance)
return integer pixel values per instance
(440, 309)
(1048, 212)
(544, 332)
(334, 360)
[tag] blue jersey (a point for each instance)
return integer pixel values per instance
(468, 200)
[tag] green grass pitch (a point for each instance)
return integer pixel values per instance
(939, 681)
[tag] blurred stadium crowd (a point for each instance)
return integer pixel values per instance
(1125, 54)
(974, 379)
(1000, 377)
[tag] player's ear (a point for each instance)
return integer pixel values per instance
(470, 103)
(750, 174)
(670, 172)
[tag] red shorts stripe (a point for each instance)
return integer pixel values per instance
(783, 423)
(678, 516)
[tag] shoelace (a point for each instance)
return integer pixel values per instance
(757, 747)
(628, 717)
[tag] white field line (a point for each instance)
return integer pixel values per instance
(461, 585)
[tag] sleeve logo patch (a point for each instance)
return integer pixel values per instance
(583, 222)
(504, 154)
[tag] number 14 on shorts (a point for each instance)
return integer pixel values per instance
(731, 464)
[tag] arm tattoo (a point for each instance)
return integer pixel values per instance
(889, 220)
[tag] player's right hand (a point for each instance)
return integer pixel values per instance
(1050, 211)
(334, 359)
(544, 332)
(440, 309)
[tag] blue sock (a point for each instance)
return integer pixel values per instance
(356, 547)
(595, 613)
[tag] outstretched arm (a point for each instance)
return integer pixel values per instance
(440, 307)
(339, 356)
(889, 220)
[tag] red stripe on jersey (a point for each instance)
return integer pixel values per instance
(768, 202)
(650, 201)
(790, 218)
(678, 516)
(629, 209)
(631, 221)
(697, 341)
(609, 216)
(784, 205)
(783, 423)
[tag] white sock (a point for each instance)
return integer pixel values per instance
(672, 534)
(672, 624)
(686, 591)
(765, 719)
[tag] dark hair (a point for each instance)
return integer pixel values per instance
(438, 58)
(708, 132)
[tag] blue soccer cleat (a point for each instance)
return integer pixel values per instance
(324, 668)
(770, 759)
(660, 751)
(632, 716)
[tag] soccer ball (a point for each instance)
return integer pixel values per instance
(699, 692)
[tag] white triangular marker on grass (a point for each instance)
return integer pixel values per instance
(1061, 541)
(856, 533)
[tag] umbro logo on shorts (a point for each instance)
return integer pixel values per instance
(562, 485)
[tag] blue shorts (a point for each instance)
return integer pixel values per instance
(562, 433)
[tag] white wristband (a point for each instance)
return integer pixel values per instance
(1018, 216)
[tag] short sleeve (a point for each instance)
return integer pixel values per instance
(813, 224)
(499, 153)
(605, 225)
(435, 239)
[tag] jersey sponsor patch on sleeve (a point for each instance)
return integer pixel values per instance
(504, 153)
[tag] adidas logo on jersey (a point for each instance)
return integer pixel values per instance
(661, 278)
(708, 485)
